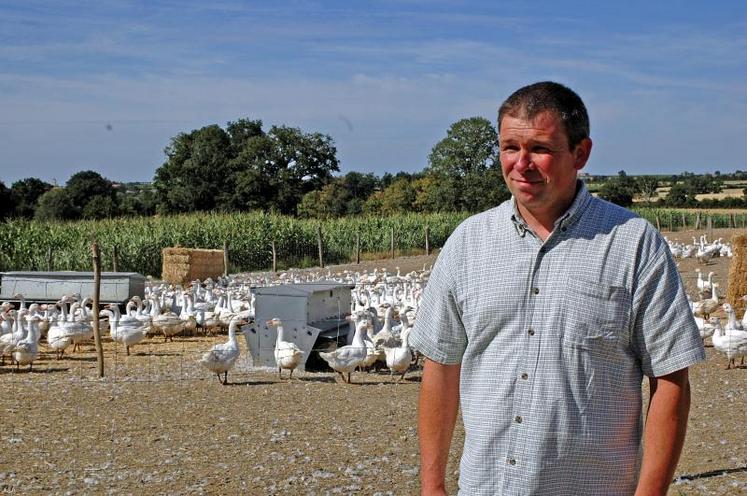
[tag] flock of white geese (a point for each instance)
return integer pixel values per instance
(729, 337)
(382, 311)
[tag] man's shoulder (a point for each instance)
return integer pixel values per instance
(608, 213)
(488, 218)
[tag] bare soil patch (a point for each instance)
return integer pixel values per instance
(160, 423)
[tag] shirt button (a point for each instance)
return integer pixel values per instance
(525, 376)
(511, 461)
(518, 419)
(530, 332)
(535, 290)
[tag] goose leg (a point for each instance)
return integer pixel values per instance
(349, 381)
(280, 373)
(128, 350)
(291, 374)
(225, 378)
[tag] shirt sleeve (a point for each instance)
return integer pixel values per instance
(438, 332)
(665, 336)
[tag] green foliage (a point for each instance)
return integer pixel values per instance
(55, 204)
(470, 146)
(24, 244)
(620, 189)
(7, 203)
(647, 185)
(675, 216)
(26, 193)
(89, 186)
(681, 195)
(243, 168)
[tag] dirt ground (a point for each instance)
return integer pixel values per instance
(160, 423)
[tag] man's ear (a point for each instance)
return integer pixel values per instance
(582, 152)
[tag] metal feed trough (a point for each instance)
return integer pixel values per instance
(116, 287)
(313, 316)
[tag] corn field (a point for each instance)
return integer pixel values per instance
(672, 219)
(32, 245)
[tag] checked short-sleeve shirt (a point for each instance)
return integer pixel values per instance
(554, 339)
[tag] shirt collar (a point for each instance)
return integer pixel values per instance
(569, 218)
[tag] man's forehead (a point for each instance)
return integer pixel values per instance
(542, 118)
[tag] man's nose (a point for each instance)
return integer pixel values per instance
(524, 161)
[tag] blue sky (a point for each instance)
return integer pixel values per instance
(104, 85)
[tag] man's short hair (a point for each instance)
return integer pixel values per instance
(548, 96)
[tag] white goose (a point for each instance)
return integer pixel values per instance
(7, 337)
(168, 323)
(222, 357)
(704, 308)
(732, 342)
(27, 349)
(347, 358)
(704, 285)
(8, 341)
(59, 335)
(125, 329)
(287, 354)
(398, 359)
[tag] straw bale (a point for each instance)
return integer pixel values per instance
(182, 265)
(737, 286)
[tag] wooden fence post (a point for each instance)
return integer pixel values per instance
(115, 259)
(427, 240)
(658, 222)
(358, 247)
(95, 310)
(684, 221)
(671, 222)
(697, 220)
(50, 260)
(733, 221)
(391, 241)
(320, 245)
(225, 258)
(274, 256)
(709, 222)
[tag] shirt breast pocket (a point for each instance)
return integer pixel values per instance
(597, 315)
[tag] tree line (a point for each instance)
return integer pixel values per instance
(244, 167)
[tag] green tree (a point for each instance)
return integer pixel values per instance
(83, 187)
(619, 190)
(647, 185)
(7, 204)
(26, 193)
(470, 146)
(681, 194)
(397, 198)
(329, 202)
(100, 207)
(196, 175)
(55, 204)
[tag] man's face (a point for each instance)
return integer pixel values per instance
(538, 166)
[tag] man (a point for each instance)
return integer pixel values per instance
(541, 317)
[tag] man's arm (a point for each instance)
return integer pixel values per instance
(437, 413)
(664, 434)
